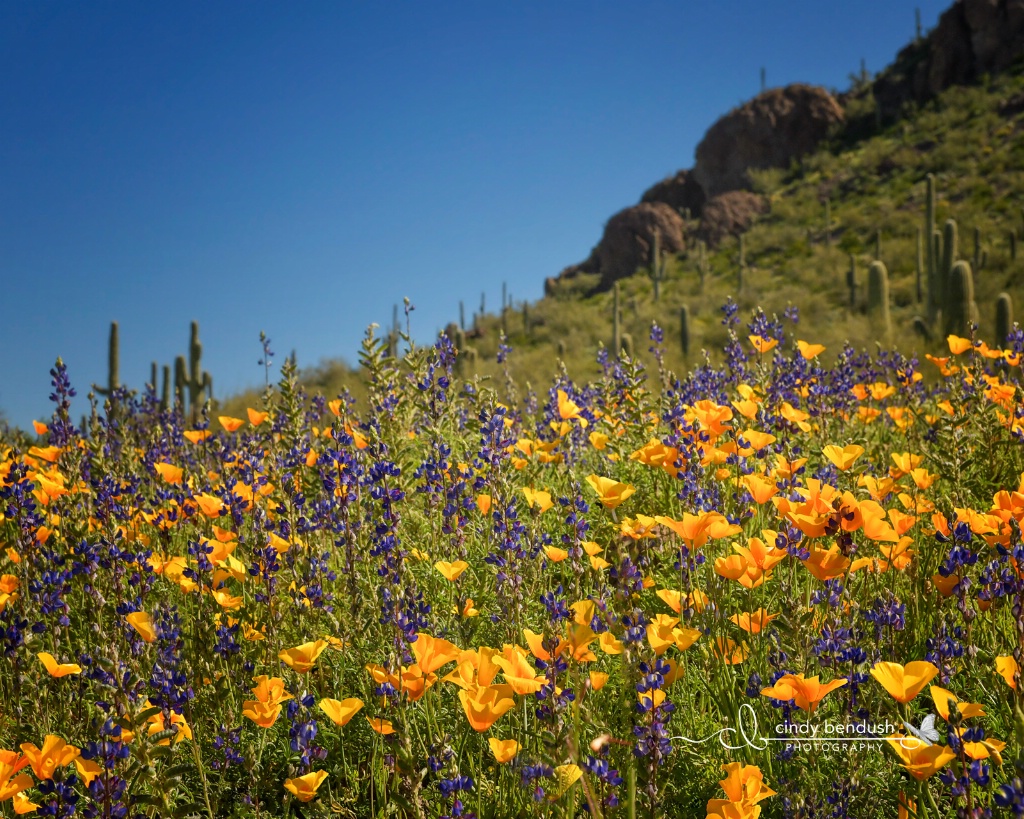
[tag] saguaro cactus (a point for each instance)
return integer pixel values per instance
(828, 225)
(929, 234)
(113, 363)
(657, 271)
(616, 328)
(742, 265)
(878, 297)
(627, 345)
(393, 333)
(921, 328)
(945, 269)
(684, 330)
(165, 390)
(1004, 318)
(960, 310)
(919, 268)
(198, 382)
(702, 262)
(851, 281)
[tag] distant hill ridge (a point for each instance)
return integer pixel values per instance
(780, 125)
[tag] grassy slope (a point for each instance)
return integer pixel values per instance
(873, 184)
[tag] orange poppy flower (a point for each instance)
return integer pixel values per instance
(381, 726)
(432, 653)
(609, 643)
(843, 457)
(806, 692)
(538, 498)
(611, 493)
(210, 505)
(1007, 668)
(486, 704)
(744, 783)
(517, 672)
(809, 351)
(170, 473)
(554, 554)
(54, 754)
(341, 712)
(256, 417)
(760, 489)
(598, 679)
(754, 622)
(568, 409)
(229, 423)
(503, 749)
(302, 658)
(943, 698)
(55, 669)
(729, 651)
(763, 345)
(143, 624)
(919, 758)
(958, 345)
(304, 787)
(451, 571)
(904, 682)
(827, 564)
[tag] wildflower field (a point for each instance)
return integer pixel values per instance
(645, 596)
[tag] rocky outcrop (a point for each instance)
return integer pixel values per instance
(729, 214)
(629, 236)
(626, 244)
(972, 38)
(681, 192)
(770, 131)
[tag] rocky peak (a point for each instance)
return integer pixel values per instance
(770, 131)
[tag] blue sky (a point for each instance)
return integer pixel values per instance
(299, 168)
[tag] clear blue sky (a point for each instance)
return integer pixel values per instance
(299, 167)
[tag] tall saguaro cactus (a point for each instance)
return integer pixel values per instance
(616, 328)
(919, 268)
(960, 310)
(684, 330)
(702, 262)
(878, 297)
(113, 363)
(193, 378)
(657, 271)
(828, 225)
(1004, 318)
(742, 266)
(929, 234)
(851, 281)
(165, 389)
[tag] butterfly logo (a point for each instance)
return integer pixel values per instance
(926, 732)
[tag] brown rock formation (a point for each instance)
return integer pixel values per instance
(629, 236)
(972, 38)
(729, 214)
(770, 131)
(680, 192)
